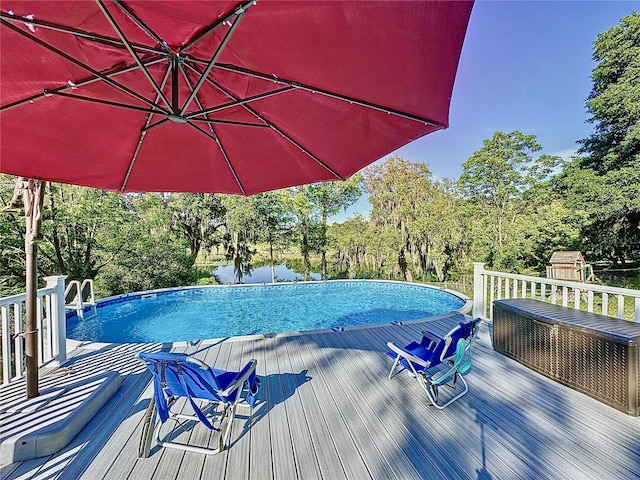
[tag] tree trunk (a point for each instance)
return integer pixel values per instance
(324, 244)
(273, 267)
(305, 252)
(324, 264)
(55, 234)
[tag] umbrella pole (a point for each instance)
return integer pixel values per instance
(31, 334)
(33, 200)
(27, 194)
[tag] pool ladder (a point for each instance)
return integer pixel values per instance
(78, 295)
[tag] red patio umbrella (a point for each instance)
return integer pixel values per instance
(219, 96)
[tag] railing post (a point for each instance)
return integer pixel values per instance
(58, 321)
(479, 293)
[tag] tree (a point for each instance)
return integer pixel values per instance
(349, 240)
(609, 206)
(364, 250)
(12, 253)
(84, 230)
(614, 101)
(397, 190)
(326, 199)
(199, 217)
(242, 230)
(275, 221)
(305, 225)
(504, 182)
(153, 257)
(417, 217)
(312, 205)
(604, 182)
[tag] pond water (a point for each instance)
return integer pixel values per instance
(226, 274)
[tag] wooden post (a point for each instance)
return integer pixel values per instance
(58, 325)
(479, 293)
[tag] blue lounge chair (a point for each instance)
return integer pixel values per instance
(436, 361)
(212, 394)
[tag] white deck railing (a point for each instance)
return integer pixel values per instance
(51, 326)
(489, 285)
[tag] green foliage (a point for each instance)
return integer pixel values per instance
(604, 183)
(614, 101)
(507, 186)
(153, 256)
(84, 229)
(199, 217)
(610, 204)
(420, 228)
(311, 205)
(12, 230)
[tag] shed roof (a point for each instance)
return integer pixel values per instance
(570, 257)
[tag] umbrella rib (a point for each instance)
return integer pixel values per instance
(233, 170)
(232, 96)
(157, 124)
(212, 62)
(215, 136)
(239, 102)
(82, 83)
(226, 158)
(337, 96)
(291, 140)
(241, 8)
(94, 37)
(143, 132)
(307, 152)
(229, 122)
(103, 102)
(273, 127)
(142, 25)
(127, 45)
(77, 62)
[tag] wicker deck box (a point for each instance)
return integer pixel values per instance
(591, 353)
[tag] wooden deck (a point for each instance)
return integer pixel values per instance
(328, 411)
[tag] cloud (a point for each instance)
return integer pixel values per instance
(567, 154)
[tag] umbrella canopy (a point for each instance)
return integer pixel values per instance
(219, 96)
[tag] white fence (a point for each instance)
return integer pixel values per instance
(489, 286)
(51, 326)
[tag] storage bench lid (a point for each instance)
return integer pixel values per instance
(558, 315)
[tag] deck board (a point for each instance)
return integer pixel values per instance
(374, 441)
(260, 464)
(327, 410)
(346, 449)
(417, 430)
(282, 452)
(326, 453)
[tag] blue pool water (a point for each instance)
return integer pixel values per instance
(224, 311)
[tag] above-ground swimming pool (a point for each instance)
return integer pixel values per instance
(187, 314)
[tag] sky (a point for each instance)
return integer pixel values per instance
(526, 66)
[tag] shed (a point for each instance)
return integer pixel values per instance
(569, 266)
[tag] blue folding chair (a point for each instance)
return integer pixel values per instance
(212, 394)
(436, 361)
